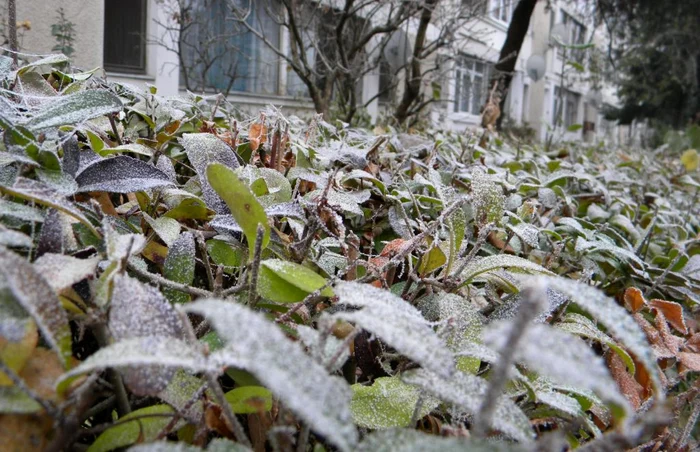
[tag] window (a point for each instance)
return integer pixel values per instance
(125, 36)
(576, 34)
(219, 53)
(569, 112)
(501, 9)
(471, 82)
(475, 6)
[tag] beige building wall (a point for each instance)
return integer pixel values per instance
(88, 15)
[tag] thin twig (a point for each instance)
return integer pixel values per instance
(115, 378)
(195, 291)
(416, 411)
(689, 426)
(114, 129)
(254, 270)
(533, 298)
(303, 438)
(205, 259)
(12, 29)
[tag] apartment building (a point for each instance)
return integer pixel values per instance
(132, 42)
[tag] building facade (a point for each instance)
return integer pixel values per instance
(134, 42)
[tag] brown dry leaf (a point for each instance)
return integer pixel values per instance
(654, 337)
(688, 362)
(632, 390)
(634, 300)
(16, 354)
(693, 343)
(673, 312)
(172, 127)
(105, 203)
(496, 241)
(41, 372)
(672, 343)
(257, 135)
(259, 425)
(21, 433)
(213, 417)
(155, 252)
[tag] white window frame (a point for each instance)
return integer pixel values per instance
(570, 110)
(466, 66)
(501, 10)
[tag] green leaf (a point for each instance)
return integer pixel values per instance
(167, 228)
(579, 67)
(133, 427)
(31, 291)
(249, 399)
(179, 266)
(15, 401)
(491, 263)
(225, 254)
(96, 142)
(274, 187)
(288, 282)
(75, 108)
(245, 208)
(431, 261)
(574, 127)
(389, 402)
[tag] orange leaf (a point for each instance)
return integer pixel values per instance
(632, 390)
(634, 300)
(257, 134)
(673, 312)
(688, 362)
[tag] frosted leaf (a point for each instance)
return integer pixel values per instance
(40, 193)
(168, 229)
(614, 317)
(62, 271)
(347, 202)
(134, 148)
(121, 174)
(202, 150)
(257, 345)
(597, 246)
(513, 202)
(398, 223)
(499, 261)
(23, 284)
(572, 224)
(561, 402)
(164, 446)
(166, 166)
(63, 183)
(86, 158)
(138, 310)
(547, 197)
(57, 234)
(268, 185)
(142, 352)
(75, 108)
(388, 402)
(20, 211)
(597, 213)
(395, 322)
(509, 308)
(179, 392)
(487, 199)
(225, 445)
(120, 245)
(179, 266)
(559, 356)
(464, 319)
(410, 440)
(226, 224)
(287, 209)
(467, 393)
(311, 338)
(527, 232)
(14, 239)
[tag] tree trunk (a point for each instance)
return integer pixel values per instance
(411, 91)
(517, 30)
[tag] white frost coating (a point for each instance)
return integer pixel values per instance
(119, 245)
(138, 310)
(509, 308)
(397, 323)
(165, 446)
(527, 232)
(465, 320)
(20, 211)
(36, 296)
(620, 253)
(547, 197)
(560, 356)
(490, 263)
(14, 239)
(487, 198)
(561, 402)
(168, 229)
(573, 224)
(311, 338)
(286, 209)
(75, 108)
(63, 183)
(347, 202)
(410, 440)
(467, 392)
(142, 352)
(614, 317)
(45, 195)
(62, 271)
(260, 347)
(121, 174)
(202, 150)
